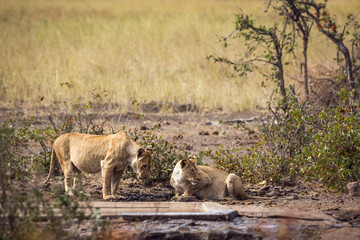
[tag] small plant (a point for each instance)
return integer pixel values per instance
(227, 159)
(165, 153)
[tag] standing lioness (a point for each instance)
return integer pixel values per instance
(110, 154)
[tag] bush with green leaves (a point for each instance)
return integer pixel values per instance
(333, 155)
(314, 143)
(228, 159)
(60, 117)
(165, 153)
(298, 138)
(22, 213)
(9, 149)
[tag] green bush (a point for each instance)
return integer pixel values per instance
(22, 213)
(13, 161)
(314, 143)
(165, 153)
(334, 152)
(227, 159)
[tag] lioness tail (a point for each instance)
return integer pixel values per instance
(52, 164)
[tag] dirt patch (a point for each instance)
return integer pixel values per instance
(196, 133)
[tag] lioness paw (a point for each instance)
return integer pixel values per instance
(69, 193)
(109, 197)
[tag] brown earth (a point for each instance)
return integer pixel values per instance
(198, 132)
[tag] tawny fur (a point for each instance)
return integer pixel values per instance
(110, 154)
(190, 179)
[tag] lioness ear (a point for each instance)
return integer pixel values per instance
(151, 151)
(183, 163)
(193, 160)
(140, 152)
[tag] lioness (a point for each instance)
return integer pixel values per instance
(190, 179)
(110, 154)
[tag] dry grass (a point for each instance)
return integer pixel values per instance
(148, 50)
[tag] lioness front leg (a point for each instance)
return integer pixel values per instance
(188, 192)
(107, 173)
(115, 179)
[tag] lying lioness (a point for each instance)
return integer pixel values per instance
(190, 179)
(110, 154)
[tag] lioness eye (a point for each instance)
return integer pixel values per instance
(144, 167)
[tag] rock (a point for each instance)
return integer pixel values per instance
(294, 197)
(265, 189)
(339, 233)
(188, 147)
(315, 196)
(276, 192)
(350, 215)
(204, 133)
(354, 189)
(288, 181)
(166, 123)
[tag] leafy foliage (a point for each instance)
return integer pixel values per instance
(334, 151)
(298, 138)
(263, 44)
(225, 158)
(311, 143)
(21, 212)
(165, 153)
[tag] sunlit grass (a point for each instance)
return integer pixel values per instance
(144, 50)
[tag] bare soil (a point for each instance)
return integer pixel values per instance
(197, 132)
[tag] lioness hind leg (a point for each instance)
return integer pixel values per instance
(235, 187)
(67, 168)
(77, 185)
(69, 179)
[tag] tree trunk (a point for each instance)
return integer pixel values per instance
(349, 67)
(306, 75)
(345, 51)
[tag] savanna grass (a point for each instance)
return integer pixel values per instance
(144, 50)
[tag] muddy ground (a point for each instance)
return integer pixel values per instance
(197, 132)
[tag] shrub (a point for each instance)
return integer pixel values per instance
(314, 143)
(21, 213)
(227, 159)
(165, 153)
(334, 151)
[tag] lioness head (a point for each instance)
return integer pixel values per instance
(143, 162)
(189, 171)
